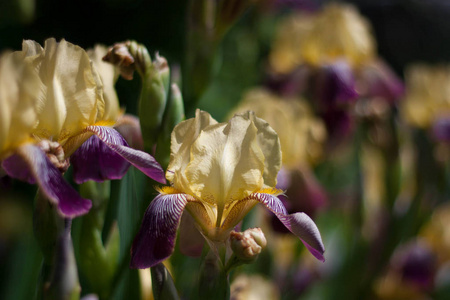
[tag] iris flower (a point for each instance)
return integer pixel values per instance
(331, 56)
(219, 172)
(68, 106)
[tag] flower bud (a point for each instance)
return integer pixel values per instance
(248, 244)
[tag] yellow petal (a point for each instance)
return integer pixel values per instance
(183, 136)
(227, 163)
(108, 77)
(269, 143)
(73, 98)
(19, 92)
(427, 94)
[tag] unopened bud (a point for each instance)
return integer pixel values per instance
(248, 244)
(120, 56)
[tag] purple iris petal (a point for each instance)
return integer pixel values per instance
(32, 165)
(299, 224)
(441, 129)
(94, 160)
(156, 238)
(292, 84)
(335, 85)
(378, 80)
(141, 160)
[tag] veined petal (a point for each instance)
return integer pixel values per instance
(94, 160)
(156, 238)
(299, 223)
(32, 165)
(141, 160)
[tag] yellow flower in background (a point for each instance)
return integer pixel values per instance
(437, 233)
(427, 94)
(301, 133)
(336, 32)
(19, 94)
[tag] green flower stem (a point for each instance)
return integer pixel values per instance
(214, 281)
(95, 257)
(59, 275)
(153, 97)
(64, 283)
(174, 114)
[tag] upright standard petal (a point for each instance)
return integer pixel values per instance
(227, 163)
(156, 238)
(299, 223)
(182, 137)
(32, 165)
(73, 96)
(19, 93)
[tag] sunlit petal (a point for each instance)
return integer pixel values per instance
(19, 94)
(32, 165)
(226, 162)
(73, 98)
(183, 135)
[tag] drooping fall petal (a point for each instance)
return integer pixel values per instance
(156, 238)
(32, 165)
(299, 223)
(115, 142)
(141, 160)
(94, 160)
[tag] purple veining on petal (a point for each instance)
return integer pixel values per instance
(299, 224)
(141, 160)
(441, 129)
(156, 237)
(94, 160)
(335, 85)
(49, 179)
